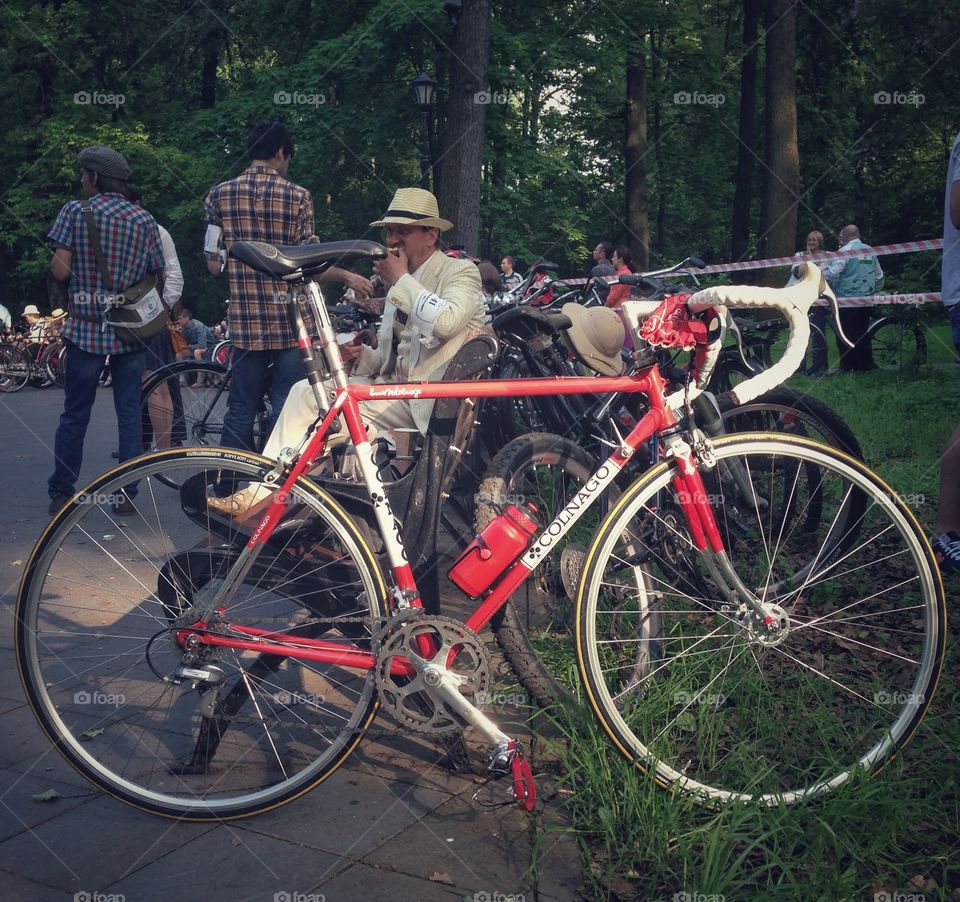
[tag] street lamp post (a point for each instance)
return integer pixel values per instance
(424, 87)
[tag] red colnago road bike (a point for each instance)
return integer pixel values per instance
(757, 617)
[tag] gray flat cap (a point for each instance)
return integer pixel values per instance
(106, 161)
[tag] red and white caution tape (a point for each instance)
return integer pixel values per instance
(903, 247)
(871, 300)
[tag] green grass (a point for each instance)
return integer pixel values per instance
(895, 833)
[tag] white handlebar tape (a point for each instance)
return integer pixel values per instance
(793, 303)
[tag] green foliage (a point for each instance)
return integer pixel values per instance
(193, 79)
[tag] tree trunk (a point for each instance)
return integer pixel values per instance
(208, 74)
(781, 183)
(743, 181)
(462, 142)
(634, 153)
(656, 45)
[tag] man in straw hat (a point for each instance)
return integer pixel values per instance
(131, 250)
(433, 305)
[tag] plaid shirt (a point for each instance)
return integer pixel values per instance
(260, 205)
(131, 248)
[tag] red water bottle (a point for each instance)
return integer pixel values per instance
(495, 549)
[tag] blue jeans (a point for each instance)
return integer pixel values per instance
(248, 383)
(80, 380)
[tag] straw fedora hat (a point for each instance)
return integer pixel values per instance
(596, 336)
(414, 206)
(56, 314)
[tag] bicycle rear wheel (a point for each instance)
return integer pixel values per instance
(898, 343)
(98, 614)
(788, 411)
(724, 707)
(14, 368)
(52, 362)
(535, 628)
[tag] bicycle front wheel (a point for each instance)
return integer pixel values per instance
(197, 732)
(719, 704)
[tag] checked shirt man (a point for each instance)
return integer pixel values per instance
(262, 205)
(131, 248)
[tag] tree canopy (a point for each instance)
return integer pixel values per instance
(617, 121)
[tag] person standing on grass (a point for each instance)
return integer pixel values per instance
(850, 277)
(132, 251)
(820, 317)
(950, 278)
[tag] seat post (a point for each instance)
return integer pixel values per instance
(316, 372)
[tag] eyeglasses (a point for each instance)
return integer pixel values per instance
(400, 231)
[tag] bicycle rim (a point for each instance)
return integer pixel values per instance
(723, 709)
(97, 617)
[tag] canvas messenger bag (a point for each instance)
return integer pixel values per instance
(137, 313)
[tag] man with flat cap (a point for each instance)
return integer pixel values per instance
(434, 303)
(131, 249)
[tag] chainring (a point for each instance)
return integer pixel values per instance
(408, 698)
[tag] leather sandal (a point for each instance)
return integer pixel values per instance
(245, 504)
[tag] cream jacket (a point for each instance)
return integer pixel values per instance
(442, 308)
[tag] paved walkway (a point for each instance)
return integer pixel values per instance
(392, 823)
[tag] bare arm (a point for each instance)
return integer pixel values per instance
(61, 264)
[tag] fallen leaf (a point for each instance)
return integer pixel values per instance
(438, 877)
(16, 563)
(48, 795)
(90, 734)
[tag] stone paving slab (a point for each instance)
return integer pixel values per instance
(376, 829)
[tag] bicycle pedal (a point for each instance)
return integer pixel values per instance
(508, 759)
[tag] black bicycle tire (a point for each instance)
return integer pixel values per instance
(10, 386)
(913, 356)
(508, 627)
(829, 424)
(602, 550)
(30, 596)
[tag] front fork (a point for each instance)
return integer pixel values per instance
(705, 532)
